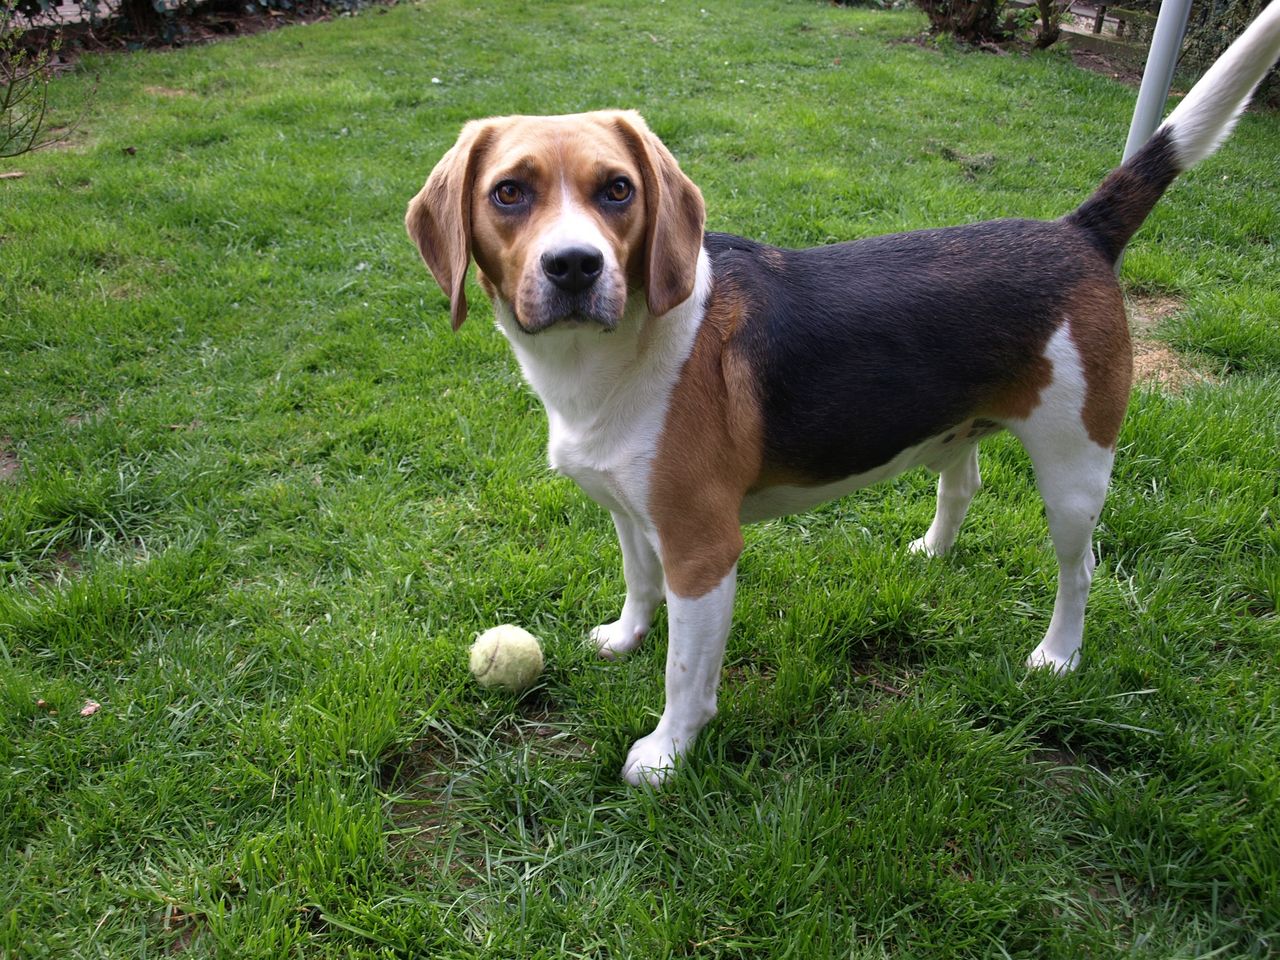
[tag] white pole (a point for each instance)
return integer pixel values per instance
(1157, 78)
(1171, 24)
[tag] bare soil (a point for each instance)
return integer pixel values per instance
(10, 465)
(1155, 364)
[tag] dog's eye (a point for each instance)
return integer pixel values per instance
(508, 193)
(619, 190)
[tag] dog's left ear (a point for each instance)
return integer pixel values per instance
(439, 217)
(674, 214)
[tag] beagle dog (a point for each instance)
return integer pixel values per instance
(697, 381)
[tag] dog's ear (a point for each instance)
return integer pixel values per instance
(439, 217)
(674, 214)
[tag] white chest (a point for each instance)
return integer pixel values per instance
(611, 471)
(606, 395)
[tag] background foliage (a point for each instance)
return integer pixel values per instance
(1212, 26)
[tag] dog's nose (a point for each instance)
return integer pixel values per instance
(573, 269)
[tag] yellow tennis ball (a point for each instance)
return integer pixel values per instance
(507, 657)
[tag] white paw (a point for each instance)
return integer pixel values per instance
(922, 545)
(1043, 658)
(614, 640)
(919, 546)
(652, 760)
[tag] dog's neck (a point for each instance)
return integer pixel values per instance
(586, 376)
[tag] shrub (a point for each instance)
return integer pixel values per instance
(24, 85)
(145, 22)
(983, 21)
(972, 21)
(1212, 27)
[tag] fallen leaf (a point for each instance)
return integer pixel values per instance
(90, 708)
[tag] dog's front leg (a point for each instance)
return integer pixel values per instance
(642, 572)
(698, 627)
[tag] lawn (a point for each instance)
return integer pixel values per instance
(256, 500)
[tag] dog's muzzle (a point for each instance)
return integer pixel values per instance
(575, 291)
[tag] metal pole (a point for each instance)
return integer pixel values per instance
(1157, 78)
(1171, 24)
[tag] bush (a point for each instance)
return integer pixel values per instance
(972, 21)
(24, 85)
(1210, 30)
(146, 22)
(984, 21)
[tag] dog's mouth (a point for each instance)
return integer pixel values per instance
(595, 311)
(572, 321)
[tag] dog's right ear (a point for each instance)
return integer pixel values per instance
(439, 217)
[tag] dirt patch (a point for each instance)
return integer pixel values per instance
(63, 136)
(930, 41)
(53, 570)
(181, 929)
(10, 465)
(65, 566)
(1148, 310)
(167, 92)
(80, 419)
(1156, 364)
(1126, 72)
(431, 777)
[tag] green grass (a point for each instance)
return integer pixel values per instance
(264, 500)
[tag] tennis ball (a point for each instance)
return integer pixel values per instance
(508, 657)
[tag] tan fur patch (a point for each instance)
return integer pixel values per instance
(773, 257)
(1100, 332)
(709, 455)
(1017, 399)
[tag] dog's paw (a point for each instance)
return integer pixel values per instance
(1043, 658)
(921, 546)
(615, 640)
(930, 548)
(652, 760)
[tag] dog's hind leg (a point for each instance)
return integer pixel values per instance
(1073, 469)
(1074, 485)
(642, 571)
(957, 483)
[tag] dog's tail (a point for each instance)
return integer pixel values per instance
(1192, 132)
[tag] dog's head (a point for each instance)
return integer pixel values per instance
(566, 217)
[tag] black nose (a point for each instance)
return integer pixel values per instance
(573, 269)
